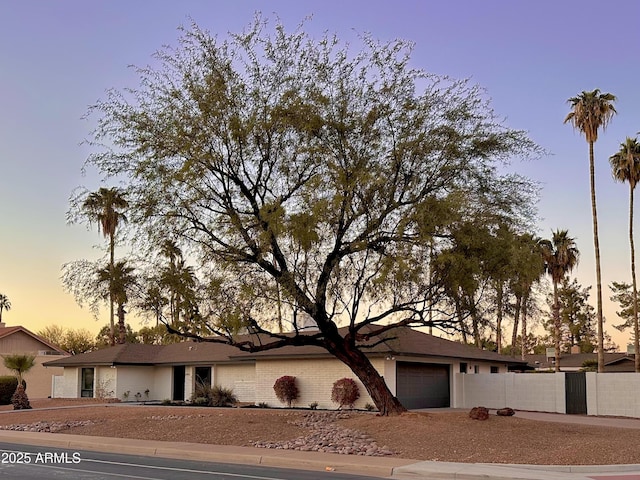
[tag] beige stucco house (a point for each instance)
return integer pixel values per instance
(20, 341)
(417, 367)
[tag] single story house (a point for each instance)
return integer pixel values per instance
(21, 341)
(574, 362)
(417, 367)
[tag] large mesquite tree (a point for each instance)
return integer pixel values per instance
(306, 183)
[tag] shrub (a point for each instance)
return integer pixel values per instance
(215, 396)
(263, 405)
(313, 405)
(369, 407)
(20, 400)
(345, 392)
(8, 386)
(286, 389)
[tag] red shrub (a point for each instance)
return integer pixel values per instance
(286, 389)
(345, 392)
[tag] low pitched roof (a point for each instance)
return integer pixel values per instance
(405, 342)
(8, 331)
(575, 360)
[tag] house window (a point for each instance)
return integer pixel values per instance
(203, 376)
(463, 367)
(476, 369)
(86, 383)
(494, 369)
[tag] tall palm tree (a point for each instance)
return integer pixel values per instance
(106, 207)
(560, 256)
(5, 304)
(590, 112)
(119, 281)
(625, 166)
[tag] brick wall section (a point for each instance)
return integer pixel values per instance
(314, 379)
(241, 378)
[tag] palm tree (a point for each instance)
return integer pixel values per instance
(106, 208)
(560, 256)
(119, 281)
(626, 168)
(179, 278)
(5, 304)
(19, 364)
(590, 112)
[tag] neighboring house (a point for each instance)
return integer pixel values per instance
(19, 340)
(573, 362)
(417, 367)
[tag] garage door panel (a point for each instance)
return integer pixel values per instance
(421, 385)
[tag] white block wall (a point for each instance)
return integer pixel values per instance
(104, 382)
(314, 379)
(616, 394)
(162, 383)
(133, 380)
(535, 392)
(241, 378)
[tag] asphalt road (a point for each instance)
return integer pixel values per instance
(26, 462)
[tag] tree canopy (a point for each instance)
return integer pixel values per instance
(300, 177)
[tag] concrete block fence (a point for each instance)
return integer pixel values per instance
(608, 394)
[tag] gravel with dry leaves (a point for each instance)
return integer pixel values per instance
(446, 436)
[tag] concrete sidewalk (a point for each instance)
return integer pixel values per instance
(385, 467)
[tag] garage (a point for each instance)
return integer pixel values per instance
(422, 385)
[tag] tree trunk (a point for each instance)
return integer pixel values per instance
(596, 245)
(516, 321)
(499, 299)
(122, 328)
(556, 324)
(636, 338)
(112, 325)
(525, 339)
(361, 366)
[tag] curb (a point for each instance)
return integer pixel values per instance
(374, 466)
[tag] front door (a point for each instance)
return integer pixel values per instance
(86, 383)
(178, 382)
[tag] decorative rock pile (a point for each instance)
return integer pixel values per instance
(172, 417)
(50, 427)
(328, 437)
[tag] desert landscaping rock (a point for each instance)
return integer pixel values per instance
(50, 427)
(506, 412)
(479, 413)
(328, 437)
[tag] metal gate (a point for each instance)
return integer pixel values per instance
(575, 384)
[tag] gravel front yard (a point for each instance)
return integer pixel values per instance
(446, 436)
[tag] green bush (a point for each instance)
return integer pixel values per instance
(345, 392)
(8, 386)
(286, 389)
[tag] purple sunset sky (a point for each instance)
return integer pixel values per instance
(56, 58)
